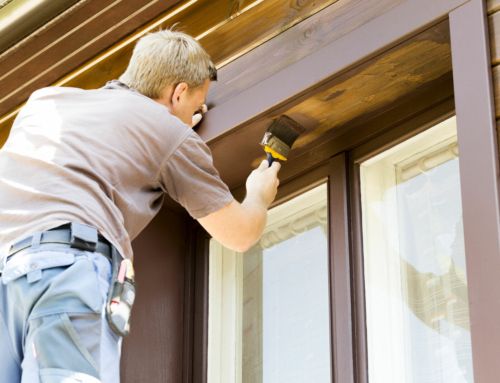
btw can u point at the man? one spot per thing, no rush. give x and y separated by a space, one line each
100 161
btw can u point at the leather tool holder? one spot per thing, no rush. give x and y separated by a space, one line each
83 237
123 294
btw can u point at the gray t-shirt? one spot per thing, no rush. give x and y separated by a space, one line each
104 158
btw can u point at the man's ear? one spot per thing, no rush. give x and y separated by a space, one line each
179 91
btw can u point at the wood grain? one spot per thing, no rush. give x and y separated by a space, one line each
395 74
197 19
493 6
364 90
361 130
494 31
326 26
228 30
266 20
496 89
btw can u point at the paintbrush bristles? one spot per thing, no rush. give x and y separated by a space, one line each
286 129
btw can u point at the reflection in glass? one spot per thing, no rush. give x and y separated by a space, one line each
415 274
268 307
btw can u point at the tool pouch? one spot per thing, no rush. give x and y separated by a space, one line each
121 298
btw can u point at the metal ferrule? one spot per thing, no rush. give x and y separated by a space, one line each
276 144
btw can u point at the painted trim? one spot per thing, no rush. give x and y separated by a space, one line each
341 318
330 61
479 171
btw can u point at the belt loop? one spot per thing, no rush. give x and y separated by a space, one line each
36 239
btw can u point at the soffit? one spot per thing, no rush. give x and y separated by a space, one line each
398 83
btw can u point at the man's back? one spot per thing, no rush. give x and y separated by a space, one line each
87 156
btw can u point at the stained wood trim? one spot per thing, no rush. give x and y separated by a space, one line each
358 287
341 319
189 301
200 333
294 44
305 75
355 133
477 141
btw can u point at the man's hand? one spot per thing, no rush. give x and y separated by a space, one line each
262 184
198 115
238 226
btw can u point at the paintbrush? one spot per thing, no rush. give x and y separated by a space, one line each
280 137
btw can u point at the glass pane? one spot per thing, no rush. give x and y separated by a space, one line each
415 275
268 307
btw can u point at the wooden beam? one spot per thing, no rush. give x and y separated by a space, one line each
201 19
324 27
266 20
304 76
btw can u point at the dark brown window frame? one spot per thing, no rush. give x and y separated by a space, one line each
478 163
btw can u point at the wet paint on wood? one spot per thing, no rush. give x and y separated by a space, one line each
439 92
330 112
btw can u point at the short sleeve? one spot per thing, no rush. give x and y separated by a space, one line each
190 178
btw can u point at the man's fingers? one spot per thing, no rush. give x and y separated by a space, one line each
263 165
204 108
196 118
276 166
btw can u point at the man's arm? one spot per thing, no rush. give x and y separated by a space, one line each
238 226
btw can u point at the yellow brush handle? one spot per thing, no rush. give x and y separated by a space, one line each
274 153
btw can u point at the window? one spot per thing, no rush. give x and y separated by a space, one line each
269 307
417 310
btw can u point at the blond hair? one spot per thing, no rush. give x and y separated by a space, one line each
167 58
